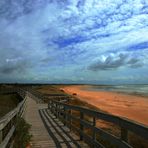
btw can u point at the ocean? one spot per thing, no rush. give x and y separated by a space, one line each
139 89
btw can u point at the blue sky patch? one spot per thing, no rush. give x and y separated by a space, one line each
92 41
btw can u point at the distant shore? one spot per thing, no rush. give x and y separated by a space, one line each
133 107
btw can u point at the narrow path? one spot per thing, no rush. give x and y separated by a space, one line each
41 138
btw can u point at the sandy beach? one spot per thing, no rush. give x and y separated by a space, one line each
129 106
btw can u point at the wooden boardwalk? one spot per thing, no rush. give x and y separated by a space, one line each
50 125
46 131
41 138
62 135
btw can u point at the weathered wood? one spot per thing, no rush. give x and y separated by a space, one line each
1 136
38 130
94 121
8 121
61 134
125 124
106 136
9 116
124 134
7 138
81 125
64 112
69 119
61 110
137 128
94 131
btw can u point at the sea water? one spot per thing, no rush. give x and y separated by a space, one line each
133 89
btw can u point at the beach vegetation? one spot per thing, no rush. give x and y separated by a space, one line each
22 135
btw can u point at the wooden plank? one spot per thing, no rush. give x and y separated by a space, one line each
62 133
57 108
105 135
124 134
38 131
137 128
8 119
7 138
9 116
1 136
81 125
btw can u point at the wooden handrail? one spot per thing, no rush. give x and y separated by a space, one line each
125 124
6 122
64 112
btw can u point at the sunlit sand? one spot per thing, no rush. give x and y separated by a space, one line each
129 106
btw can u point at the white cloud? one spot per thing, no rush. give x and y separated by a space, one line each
70 33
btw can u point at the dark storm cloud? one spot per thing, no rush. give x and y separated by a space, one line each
133 61
14 68
115 62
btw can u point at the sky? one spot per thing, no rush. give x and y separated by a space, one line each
74 41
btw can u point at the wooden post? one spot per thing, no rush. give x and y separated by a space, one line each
56 110
49 105
81 125
94 121
64 115
124 134
70 119
53 108
93 132
60 110
1 136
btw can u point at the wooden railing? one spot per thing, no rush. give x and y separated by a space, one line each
8 122
34 95
65 113
40 98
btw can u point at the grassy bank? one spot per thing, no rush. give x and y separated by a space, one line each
8 102
22 136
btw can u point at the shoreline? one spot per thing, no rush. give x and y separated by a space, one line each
133 107
114 91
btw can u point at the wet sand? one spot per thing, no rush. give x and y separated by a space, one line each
129 106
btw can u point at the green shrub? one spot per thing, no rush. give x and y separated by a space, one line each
22 136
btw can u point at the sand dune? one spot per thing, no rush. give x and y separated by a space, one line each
129 106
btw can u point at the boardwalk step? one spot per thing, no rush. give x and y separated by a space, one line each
61 134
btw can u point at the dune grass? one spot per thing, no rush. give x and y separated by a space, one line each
8 102
22 135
